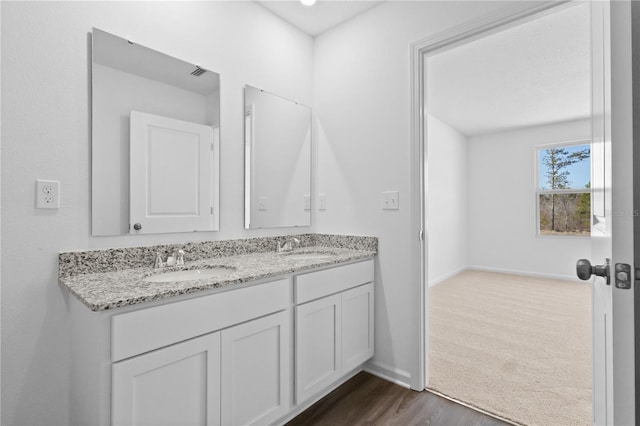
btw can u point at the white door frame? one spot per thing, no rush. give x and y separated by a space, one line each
618 50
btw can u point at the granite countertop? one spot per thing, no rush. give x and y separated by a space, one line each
105 290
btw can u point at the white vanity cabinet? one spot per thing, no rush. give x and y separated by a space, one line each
255 371
334 325
223 358
176 385
237 376
357 326
318 339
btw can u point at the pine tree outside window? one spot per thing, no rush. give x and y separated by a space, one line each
564 189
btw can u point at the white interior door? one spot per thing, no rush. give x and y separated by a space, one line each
602 217
612 233
172 175
601 241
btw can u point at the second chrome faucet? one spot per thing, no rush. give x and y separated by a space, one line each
287 245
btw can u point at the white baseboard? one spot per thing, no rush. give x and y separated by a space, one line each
389 373
445 277
525 273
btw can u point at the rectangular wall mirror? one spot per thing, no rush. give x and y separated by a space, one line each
155 141
277 161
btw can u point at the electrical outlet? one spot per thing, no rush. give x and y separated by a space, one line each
47 194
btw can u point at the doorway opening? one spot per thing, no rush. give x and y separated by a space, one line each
510 327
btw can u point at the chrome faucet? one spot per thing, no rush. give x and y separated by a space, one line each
158 262
176 259
287 245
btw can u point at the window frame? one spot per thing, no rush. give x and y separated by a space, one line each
538 192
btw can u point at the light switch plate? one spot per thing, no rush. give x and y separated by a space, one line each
262 204
390 200
322 198
307 202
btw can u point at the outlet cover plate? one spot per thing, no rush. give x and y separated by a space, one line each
47 194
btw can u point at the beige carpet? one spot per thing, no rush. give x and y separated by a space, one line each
515 346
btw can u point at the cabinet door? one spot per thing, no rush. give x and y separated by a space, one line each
357 326
177 385
255 371
318 340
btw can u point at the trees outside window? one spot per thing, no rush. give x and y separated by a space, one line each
564 189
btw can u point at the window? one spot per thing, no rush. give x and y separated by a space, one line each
564 189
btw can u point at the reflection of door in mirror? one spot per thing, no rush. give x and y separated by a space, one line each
171 179
277 161
129 77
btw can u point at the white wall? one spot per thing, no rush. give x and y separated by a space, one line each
502 204
212 107
363 147
46 134
481 210
447 200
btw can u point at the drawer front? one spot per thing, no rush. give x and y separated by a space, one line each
314 285
141 331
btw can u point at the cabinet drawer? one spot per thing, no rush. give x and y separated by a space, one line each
141 331
329 281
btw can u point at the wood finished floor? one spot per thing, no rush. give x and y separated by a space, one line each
368 400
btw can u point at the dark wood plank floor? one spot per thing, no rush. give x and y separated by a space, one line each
368 400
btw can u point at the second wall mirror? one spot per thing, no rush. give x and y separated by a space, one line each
277 161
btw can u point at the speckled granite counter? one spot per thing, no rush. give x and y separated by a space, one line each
108 279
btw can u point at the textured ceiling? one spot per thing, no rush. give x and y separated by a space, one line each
532 74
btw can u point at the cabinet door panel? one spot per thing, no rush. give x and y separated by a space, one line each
255 371
357 326
318 340
179 384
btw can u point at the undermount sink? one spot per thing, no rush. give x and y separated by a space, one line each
190 274
309 254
